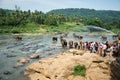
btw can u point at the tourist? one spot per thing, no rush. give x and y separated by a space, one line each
111 50
93 47
100 47
96 47
104 50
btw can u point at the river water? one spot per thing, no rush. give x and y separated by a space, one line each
43 44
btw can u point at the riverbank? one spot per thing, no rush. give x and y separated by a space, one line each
60 67
34 28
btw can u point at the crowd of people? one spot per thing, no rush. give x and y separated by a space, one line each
111 48
103 49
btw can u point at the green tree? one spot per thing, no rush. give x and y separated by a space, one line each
95 22
51 19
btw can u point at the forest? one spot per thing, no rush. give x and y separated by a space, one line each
18 21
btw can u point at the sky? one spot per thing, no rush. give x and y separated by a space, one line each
47 5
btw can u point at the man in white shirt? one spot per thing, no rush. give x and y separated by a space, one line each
104 50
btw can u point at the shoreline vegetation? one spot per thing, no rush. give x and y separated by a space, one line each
34 28
37 29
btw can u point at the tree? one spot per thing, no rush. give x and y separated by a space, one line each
51 19
95 22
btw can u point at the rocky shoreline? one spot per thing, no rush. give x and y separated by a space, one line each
60 67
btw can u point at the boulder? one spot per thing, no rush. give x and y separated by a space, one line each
1 78
35 56
7 73
61 67
115 69
11 55
103 66
18 65
23 60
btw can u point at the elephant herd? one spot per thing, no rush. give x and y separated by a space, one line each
70 44
115 37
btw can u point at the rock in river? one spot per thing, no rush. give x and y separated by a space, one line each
7 73
35 56
21 62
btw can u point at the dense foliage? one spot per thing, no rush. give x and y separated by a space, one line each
79 70
88 13
19 19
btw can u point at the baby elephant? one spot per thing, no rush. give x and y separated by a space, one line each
54 38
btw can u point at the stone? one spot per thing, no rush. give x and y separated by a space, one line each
35 56
18 65
10 55
103 66
115 69
1 78
7 73
23 60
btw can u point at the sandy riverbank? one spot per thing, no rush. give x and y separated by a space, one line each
60 67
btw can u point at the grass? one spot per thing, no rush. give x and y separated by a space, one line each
65 27
37 28
28 28
116 30
79 70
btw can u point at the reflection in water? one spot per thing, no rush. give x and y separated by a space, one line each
41 44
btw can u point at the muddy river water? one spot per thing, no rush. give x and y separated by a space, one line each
12 50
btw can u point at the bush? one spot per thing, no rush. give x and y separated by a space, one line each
79 70
15 31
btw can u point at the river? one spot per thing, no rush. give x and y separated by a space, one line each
43 44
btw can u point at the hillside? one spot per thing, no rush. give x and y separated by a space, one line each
87 13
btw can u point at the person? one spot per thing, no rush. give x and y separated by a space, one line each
111 50
100 49
93 47
104 50
96 47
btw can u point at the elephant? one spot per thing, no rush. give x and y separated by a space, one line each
70 44
117 37
18 38
64 43
104 38
76 44
54 38
80 37
65 34
114 36
77 36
